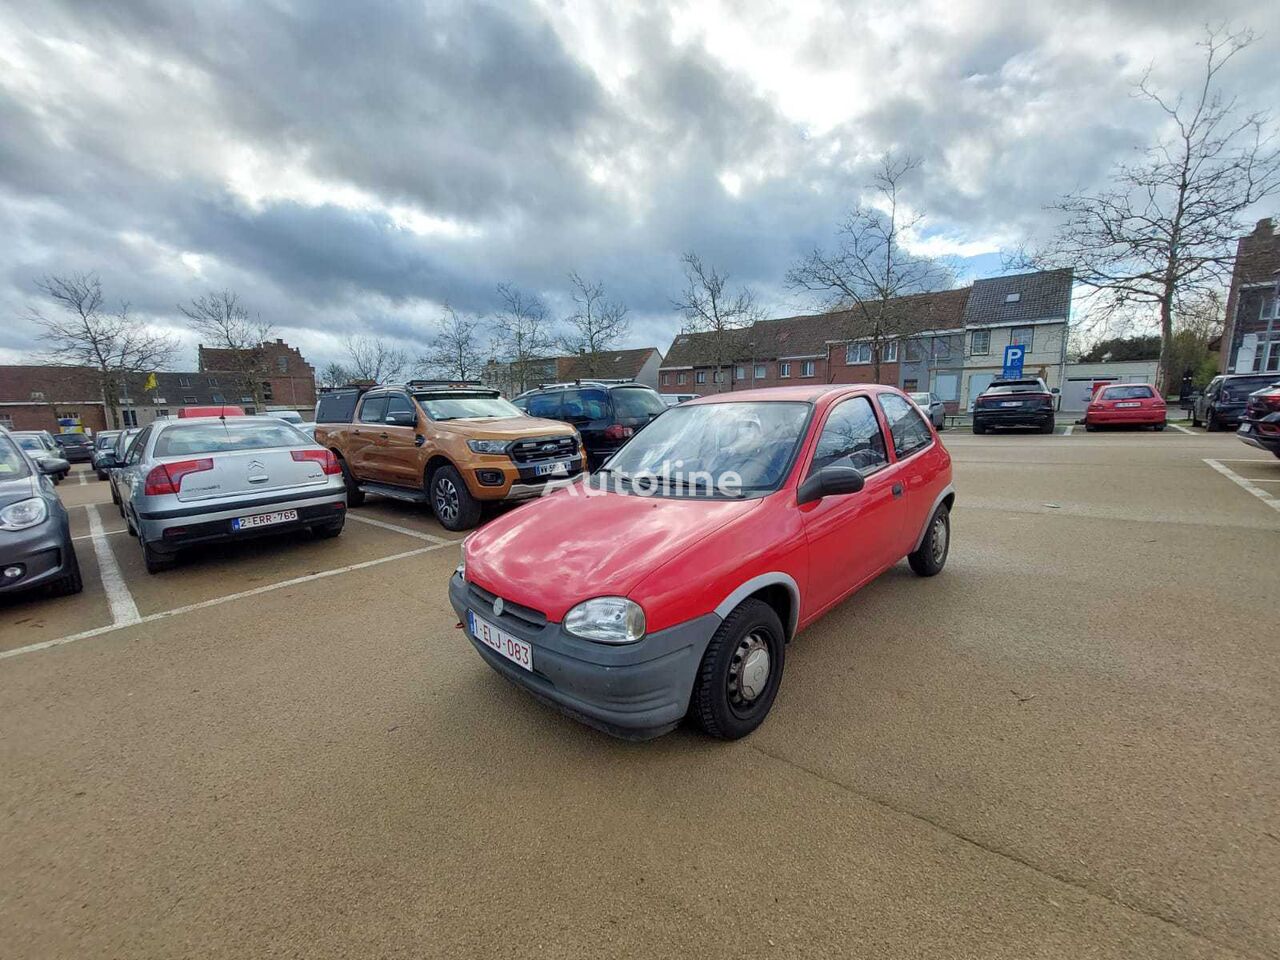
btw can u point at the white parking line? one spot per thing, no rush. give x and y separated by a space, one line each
81 478
123 609
398 529
105 533
1174 426
1258 492
1067 432
164 614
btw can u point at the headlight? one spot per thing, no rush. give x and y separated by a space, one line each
606 620
487 446
23 514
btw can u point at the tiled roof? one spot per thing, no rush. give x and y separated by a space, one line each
19 382
609 365
1024 296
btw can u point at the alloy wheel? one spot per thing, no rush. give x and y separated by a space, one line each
446 500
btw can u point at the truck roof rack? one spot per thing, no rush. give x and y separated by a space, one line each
589 381
444 384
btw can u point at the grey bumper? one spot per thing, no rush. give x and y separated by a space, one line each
637 691
43 552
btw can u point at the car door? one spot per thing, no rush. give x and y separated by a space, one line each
909 438
362 454
853 537
397 443
133 475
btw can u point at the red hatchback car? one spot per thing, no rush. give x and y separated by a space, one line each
669 582
1126 404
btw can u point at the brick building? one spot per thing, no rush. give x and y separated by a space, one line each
37 397
1251 340
274 372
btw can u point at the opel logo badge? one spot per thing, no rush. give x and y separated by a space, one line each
498 606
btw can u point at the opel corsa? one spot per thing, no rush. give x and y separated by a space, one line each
670 582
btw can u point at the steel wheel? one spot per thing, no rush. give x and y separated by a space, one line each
749 671
941 531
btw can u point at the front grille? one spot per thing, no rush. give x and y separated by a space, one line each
482 600
540 449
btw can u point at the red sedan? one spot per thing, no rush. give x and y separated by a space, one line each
1126 404
670 582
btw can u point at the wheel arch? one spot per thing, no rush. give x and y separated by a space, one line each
434 463
947 497
779 590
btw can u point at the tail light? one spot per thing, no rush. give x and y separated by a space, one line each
328 462
616 431
167 478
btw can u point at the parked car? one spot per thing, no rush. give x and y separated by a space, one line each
198 480
76 447
933 408
288 416
1221 405
670 582
45 451
308 428
103 444
671 399
115 462
604 414
216 410
1261 424
1024 402
36 549
1126 404
452 445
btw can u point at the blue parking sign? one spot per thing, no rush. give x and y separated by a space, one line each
1013 355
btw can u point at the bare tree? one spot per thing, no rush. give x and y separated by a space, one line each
595 327
720 315
522 335
868 271
84 333
372 358
226 324
1164 228
455 352
334 375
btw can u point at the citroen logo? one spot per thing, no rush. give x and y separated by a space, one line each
498 606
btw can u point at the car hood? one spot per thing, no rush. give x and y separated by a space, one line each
557 551
19 488
505 428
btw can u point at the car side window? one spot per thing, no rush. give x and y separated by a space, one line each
398 403
373 410
906 426
584 404
139 444
851 437
545 405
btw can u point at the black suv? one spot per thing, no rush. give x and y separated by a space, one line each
1025 402
606 415
1222 404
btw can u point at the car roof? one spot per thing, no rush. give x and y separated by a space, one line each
806 392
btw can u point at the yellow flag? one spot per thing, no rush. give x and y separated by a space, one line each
151 383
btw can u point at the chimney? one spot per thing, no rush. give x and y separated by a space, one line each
1264 228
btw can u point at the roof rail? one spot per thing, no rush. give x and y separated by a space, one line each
429 384
590 381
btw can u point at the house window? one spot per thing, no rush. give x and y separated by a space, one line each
666 379
1270 308
6 421
162 414
37 395
980 342
184 381
857 353
761 373
219 398
188 399
251 411
784 369
159 400
682 377
1013 298
807 368
719 376
266 390
282 364
1023 336
68 415
128 418
213 381
740 373
700 376
889 351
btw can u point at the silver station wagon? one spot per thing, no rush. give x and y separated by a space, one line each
199 480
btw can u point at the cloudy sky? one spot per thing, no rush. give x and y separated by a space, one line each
350 166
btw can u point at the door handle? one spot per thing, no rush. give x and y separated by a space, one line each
383 435
897 489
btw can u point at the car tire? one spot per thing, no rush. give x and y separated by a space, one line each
1159 427
721 702
355 496
930 557
978 428
1195 421
454 506
154 560
101 475
328 531
1211 424
71 582
115 497
1047 426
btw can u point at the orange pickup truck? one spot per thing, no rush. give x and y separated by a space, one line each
452 445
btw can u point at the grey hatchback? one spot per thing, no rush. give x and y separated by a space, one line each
202 479
35 535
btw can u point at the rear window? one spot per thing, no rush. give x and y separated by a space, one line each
336 406
1127 393
12 463
1240 389
224 436
1022 386
31 443
584 404
636 402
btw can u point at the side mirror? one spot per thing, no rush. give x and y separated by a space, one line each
1055 391
108 461
401 418
830 482
51 465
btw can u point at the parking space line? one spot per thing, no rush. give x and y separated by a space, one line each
1246 484
398 529
266 588
119 599
105 533
1174 426
1067 431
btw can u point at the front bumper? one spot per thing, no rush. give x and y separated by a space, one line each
1012 417
1252 433
520 481
636 691
43 552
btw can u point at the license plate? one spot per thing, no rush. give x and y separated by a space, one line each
1011 403
558 469
264 519
1128 405
518 651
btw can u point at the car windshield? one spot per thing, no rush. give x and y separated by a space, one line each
440 406
729 449
920 398
636 402
219 436
1022 386
12 463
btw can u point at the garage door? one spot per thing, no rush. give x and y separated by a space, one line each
977 383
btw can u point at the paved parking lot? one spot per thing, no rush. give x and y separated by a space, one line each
1065 745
